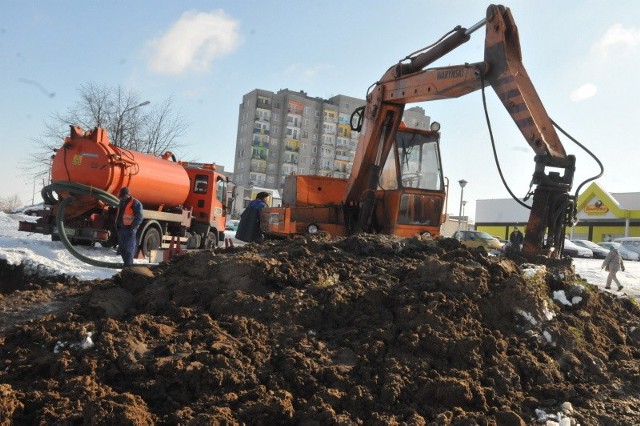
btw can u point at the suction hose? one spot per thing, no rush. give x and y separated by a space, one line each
78 188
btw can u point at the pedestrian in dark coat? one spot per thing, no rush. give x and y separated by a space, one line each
516 239
128 219
249 226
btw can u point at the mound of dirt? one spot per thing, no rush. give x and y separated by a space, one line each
361 330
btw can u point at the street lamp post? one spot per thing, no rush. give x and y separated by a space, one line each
446 198
119 126
462 183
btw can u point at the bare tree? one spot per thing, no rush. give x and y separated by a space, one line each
9 203
162 128
129 123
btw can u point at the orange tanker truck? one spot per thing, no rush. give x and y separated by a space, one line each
182 201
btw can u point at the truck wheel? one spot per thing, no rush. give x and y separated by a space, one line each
211 241
193 242
150 241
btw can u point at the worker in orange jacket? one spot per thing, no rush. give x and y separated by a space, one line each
128 219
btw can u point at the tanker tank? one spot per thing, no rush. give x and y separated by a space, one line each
87 157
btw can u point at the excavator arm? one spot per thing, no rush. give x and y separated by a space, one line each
502 69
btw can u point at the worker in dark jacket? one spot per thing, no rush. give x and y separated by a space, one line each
128 219
516 239
249 226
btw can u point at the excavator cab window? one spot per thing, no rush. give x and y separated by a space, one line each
418 162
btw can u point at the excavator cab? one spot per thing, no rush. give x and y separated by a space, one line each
410 192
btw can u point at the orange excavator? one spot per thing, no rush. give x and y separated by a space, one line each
397 185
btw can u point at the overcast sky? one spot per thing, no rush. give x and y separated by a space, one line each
581 56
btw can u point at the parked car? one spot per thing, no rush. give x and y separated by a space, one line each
574 250
630 243
502 240
477 239
599 252
626 253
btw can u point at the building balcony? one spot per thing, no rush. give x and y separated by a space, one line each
260 144
260 131
258 168
290 160
261 156
291 147
343 158
263 105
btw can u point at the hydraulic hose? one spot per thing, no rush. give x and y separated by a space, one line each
76 189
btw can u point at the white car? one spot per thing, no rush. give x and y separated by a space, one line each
626 253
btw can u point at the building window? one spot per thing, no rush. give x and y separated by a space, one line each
270 179
314 149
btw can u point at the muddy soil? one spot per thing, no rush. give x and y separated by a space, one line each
364 330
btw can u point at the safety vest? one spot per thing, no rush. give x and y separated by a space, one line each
127 215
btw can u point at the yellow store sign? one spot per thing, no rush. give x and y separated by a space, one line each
596 208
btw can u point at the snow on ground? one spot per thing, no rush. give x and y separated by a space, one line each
39 253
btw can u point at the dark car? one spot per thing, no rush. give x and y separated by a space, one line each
599 252
574 250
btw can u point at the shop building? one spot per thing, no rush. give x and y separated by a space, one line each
602 216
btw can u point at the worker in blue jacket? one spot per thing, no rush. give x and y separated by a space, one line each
128 219
249 226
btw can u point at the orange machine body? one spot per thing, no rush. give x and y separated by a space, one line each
90 159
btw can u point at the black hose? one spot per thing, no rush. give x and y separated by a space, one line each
78 188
